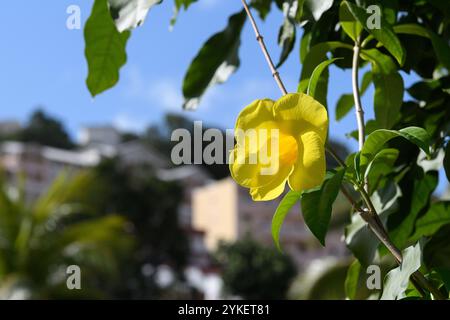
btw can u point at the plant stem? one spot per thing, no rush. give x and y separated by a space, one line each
355 84
377 227
369 215
260 40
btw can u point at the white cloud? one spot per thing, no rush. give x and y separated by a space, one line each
208 4
164 93
128 123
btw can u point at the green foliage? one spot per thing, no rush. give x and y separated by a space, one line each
317 205
253 271
129 14
289 200
40 239
385 35
105 49
216 61
43 129
396 281
436 217
352 279
315 77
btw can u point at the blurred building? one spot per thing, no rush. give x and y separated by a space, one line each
226 212
40 165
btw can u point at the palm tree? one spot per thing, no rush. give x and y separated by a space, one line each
39 240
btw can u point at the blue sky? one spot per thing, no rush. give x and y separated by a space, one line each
43 64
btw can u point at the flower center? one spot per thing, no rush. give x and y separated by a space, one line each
288 149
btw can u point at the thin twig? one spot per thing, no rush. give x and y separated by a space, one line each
260 40
356 95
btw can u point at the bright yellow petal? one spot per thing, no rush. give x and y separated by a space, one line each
267 193
256 113
309 170
263 168
255 160
300 113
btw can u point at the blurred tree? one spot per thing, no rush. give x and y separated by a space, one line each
45 130
38 241
159 136
152 207
253 271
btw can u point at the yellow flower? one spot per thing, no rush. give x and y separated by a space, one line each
278 142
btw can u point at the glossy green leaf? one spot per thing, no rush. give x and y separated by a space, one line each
216 61
420 197
389 88
351 26
289 200
315 77
316 55
396 281
105 49
441 48
352 280
347 101
388 98
381 165
317 205
437 216
384 35
129 14
376 140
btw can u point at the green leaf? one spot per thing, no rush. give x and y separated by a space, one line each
352 280
436 253
315 77
178 5
385 34
105 49
348 22
347 101
187 3
389 88
286 39
396 281
359 239
376 140
317 8
441 48
420 197
381 165
292 11
262 6
216 61
289 200
304 46
437 216
388 98
315 56
447 161
317 205
129 14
